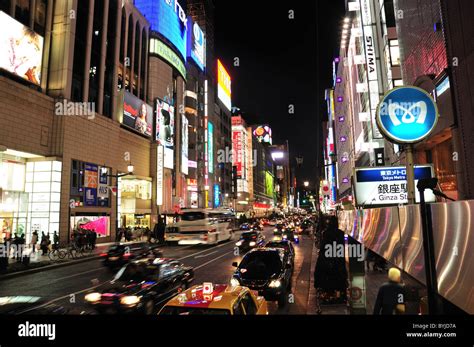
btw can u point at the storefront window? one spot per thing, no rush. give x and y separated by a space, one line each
99 224
29 196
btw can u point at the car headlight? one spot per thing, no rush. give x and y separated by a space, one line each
238 244
252 243
275 230
234 282
275 284
285 237
93 297
130 300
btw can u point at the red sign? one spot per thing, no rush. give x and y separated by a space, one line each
237 151
260 205
207 288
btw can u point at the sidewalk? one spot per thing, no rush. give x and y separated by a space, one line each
313 303
40 262
373 280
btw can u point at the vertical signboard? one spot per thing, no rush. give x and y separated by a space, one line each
159 175
184 144
164 133
369 32
210 146
217 193
224 86
196 44
90 184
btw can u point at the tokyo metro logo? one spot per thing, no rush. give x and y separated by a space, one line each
409 112
406 115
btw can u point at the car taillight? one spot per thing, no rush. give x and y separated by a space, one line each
127 255
103 255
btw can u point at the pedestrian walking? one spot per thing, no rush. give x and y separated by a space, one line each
44 244
34 241
161 230
391 295
55 240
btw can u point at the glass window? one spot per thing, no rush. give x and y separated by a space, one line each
110 59
40 16
238 308
22 12
249 305
5 6
95 64
82 17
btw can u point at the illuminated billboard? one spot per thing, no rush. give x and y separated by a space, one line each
210 146
263 133
224 86
22 49
196 44
237 147
184 144
137 114
164 133
168 18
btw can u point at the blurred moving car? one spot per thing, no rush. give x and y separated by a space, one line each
249 240
142 285
245 226
32 305
266 270
122 253
208 299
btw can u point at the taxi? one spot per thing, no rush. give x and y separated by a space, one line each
216 299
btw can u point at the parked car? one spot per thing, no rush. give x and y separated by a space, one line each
266 270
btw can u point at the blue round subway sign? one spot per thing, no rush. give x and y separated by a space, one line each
406 115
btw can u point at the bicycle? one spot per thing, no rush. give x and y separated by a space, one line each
56 254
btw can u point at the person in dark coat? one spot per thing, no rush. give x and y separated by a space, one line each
44 244
93 239
391 296
55 240
161 230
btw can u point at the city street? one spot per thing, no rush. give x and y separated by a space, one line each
66 286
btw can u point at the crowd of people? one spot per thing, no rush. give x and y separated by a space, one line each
82 238
156 235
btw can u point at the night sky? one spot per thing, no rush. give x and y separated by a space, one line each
281 63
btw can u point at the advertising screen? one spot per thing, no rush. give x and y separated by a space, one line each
210 146
217 193
224 86
168 18
388 185
137 114
184 145
164 133
263 133
22 49
196 44
91 183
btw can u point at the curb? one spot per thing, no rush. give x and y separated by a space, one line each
48 267
311 305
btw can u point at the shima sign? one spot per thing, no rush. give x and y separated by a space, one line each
388 185
406 115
